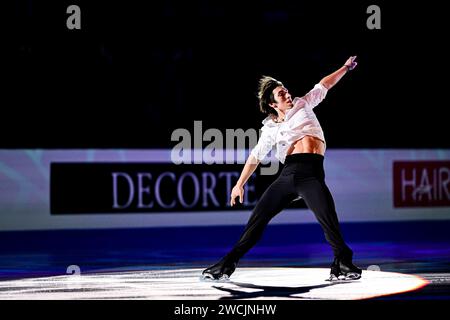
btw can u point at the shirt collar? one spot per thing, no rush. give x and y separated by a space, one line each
268 121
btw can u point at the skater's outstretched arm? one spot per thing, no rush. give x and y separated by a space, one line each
330 80
238 190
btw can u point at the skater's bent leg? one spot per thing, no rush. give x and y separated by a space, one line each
319 199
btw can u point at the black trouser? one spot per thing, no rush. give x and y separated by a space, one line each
302 176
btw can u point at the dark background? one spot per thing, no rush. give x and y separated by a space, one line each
137 70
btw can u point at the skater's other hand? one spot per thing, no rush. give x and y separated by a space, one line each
237 191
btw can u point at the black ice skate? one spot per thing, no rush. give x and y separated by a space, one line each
220 271
344 270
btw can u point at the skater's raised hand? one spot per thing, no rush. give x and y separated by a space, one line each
351 63
237 191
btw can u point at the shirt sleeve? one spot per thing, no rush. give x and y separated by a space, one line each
264 145
316 95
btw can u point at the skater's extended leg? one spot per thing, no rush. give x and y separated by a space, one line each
275 198
273 201
318 198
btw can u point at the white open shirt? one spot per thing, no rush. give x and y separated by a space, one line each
299 121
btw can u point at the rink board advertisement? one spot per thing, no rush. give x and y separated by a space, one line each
150 187
89 189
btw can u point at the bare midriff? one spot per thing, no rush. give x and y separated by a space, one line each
307 144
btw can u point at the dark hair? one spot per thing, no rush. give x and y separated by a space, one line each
265 94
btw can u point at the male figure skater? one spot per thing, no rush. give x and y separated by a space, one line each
293 128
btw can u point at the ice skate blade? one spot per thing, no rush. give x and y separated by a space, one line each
210 278
353 276
343 278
